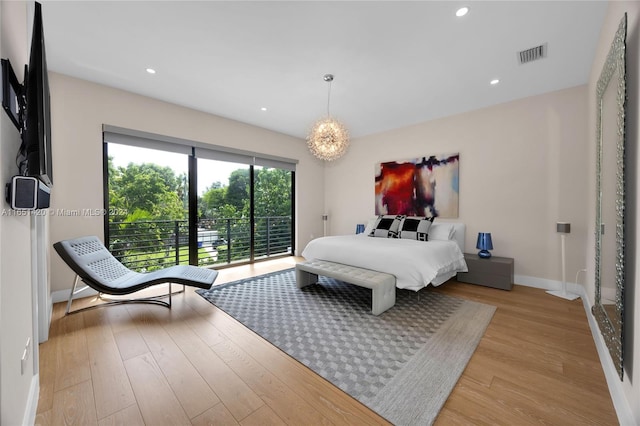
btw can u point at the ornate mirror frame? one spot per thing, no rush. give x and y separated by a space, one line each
609 310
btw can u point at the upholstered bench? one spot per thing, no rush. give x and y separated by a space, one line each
383 286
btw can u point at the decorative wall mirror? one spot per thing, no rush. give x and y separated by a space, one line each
611 95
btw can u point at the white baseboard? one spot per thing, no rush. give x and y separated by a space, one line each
31 408
546 284
43 329
63 295
620 403
59 296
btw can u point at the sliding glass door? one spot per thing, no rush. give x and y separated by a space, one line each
223 210
273 203
244 212
146 225
168 207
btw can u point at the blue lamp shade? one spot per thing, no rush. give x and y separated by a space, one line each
484 244
359 228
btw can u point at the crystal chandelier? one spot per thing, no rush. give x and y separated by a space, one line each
328 139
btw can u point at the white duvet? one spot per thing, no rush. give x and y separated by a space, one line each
415 264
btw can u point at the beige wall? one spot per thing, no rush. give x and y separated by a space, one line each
631 382
16 324
522 169
80 108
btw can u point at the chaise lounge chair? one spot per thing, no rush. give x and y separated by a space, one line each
97 267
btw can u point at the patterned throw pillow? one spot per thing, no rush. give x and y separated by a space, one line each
416 228
387 226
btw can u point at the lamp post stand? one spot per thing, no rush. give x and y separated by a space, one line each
563 293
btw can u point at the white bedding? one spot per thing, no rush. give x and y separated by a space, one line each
415 264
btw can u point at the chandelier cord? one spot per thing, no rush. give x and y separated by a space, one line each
329 99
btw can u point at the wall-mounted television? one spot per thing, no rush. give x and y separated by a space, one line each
12 100
37 120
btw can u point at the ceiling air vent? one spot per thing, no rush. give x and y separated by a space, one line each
533 54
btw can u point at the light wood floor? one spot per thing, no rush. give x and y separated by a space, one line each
136 364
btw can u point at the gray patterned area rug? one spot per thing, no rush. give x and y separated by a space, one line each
402 364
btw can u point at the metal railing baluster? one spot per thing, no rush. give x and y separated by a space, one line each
147 244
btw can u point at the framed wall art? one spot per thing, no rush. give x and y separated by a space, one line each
423 186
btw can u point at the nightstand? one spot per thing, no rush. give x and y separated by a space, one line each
496 272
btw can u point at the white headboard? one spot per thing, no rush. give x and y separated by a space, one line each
461 229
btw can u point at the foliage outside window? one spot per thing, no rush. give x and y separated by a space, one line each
150 206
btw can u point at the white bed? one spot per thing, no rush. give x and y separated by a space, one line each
415 264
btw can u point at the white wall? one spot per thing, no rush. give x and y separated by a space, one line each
80 108
16 324
631 382
522 169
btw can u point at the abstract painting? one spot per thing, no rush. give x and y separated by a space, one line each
423 186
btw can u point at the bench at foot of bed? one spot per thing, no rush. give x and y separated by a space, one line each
383 286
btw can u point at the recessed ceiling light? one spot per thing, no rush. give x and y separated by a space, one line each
462 11
263 109
151 71
494 82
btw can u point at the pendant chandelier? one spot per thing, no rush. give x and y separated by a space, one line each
328 139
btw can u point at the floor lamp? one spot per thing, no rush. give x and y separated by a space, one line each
325 217
563 228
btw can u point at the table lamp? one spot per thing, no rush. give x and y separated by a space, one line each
484 244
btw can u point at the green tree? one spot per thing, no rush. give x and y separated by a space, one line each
272 209
148 188
212 200
238 190
272 192
227 211
116 201
144 196
148 194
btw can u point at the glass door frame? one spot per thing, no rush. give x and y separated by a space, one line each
193 209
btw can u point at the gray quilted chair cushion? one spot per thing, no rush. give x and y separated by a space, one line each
97 267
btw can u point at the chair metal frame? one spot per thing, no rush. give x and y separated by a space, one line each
152 300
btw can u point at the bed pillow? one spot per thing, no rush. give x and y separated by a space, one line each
387 226
370 225
416 228
441 231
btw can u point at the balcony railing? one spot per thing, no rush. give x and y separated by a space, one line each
150 245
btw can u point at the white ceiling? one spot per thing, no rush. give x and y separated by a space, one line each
395 63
